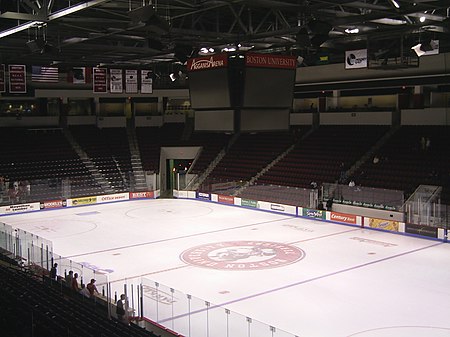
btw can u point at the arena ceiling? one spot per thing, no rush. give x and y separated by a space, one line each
138 33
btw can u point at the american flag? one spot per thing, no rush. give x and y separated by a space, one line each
44 74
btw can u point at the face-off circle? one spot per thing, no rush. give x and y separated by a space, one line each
242 255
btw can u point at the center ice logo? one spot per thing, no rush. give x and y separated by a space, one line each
242 255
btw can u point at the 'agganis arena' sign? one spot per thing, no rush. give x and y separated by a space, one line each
208 62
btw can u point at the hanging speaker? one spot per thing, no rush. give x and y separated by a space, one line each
36 46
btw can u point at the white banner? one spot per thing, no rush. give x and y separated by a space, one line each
131 81
279 208
112 197
21 208
115 81
146 82
356 59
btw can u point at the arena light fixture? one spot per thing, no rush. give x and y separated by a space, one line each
395 3
56 15
352 30
20 28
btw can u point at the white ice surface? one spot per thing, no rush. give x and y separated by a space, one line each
351 282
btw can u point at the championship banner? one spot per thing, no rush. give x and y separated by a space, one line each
131 81
100 83
208 62
270 61
115 81
17 79
78 75
356 59
146 82
2 78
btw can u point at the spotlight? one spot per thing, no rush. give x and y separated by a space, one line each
422 19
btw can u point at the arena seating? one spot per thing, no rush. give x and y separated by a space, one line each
250 154
323 156
109 150
404 162
212 144
150 140
35 308
44 159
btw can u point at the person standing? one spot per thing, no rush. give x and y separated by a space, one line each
69 278
120 309
75 282
54 271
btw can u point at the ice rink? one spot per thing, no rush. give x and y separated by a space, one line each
309 278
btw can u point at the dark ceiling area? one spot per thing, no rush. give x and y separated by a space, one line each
143 33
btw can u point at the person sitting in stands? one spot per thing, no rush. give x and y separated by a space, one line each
92 288
84 291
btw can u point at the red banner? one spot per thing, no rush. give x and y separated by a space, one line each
52 204
208 62
270 61
17 79
99 84
139 195
226 199
341 217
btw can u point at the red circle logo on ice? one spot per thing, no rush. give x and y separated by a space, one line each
242 255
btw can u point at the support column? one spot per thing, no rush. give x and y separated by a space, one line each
335 99
418 98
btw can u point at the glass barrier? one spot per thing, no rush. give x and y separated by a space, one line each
6 237
36 254
34 250
296 196
64 187
182 180
221 186
189 315
371 197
